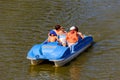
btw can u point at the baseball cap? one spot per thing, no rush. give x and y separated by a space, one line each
72 28
53 32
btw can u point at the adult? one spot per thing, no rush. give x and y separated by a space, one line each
57 29
62 36
73 36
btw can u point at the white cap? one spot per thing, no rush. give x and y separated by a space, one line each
72 28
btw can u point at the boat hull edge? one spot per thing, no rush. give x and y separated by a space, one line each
59 63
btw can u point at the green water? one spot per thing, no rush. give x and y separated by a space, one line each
24 23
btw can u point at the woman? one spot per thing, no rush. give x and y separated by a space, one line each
62 36
56 30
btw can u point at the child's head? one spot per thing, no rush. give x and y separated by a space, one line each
52 32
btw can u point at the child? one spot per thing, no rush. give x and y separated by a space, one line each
52 36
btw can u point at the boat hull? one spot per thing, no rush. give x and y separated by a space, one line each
59 63
56 53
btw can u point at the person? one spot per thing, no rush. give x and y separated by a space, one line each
62 36
57 29
52 36
73 36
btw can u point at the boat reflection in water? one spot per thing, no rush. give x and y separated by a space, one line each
46 72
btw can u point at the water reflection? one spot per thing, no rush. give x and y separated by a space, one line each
70 71
75 73
49 73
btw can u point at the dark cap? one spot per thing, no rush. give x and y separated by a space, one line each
53 32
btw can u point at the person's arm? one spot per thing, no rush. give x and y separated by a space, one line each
48 39
66 36
81 35
58 39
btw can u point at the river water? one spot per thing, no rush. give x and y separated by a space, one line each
24 23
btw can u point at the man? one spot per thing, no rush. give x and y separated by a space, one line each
73 36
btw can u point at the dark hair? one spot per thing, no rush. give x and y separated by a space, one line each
76 28
57 27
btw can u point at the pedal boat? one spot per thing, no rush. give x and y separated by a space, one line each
58 54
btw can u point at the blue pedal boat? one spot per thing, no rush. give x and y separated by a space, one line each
60 55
